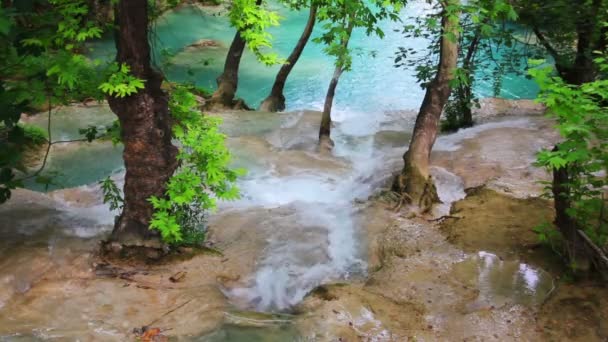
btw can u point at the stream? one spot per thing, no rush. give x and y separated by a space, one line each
299 222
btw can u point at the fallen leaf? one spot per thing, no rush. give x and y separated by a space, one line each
177 277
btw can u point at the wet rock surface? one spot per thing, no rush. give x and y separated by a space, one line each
497 107
389 276
499 155
505 225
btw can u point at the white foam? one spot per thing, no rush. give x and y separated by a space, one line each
452 142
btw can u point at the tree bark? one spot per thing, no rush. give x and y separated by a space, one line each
227 82
573 242
415 180
465 90
276 100
149 155
583 69
325 129
590 37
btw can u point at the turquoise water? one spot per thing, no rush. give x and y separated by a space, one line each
235 333
374 84
364 96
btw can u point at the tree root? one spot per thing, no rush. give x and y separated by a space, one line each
416 190
445 217
403 198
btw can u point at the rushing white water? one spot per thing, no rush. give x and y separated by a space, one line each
321 242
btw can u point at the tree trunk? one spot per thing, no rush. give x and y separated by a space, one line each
466 90
466 109
583 69
325 129
276 100
590 37
227 82
573 242
415 180
150 158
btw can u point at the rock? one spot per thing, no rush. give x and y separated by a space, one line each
347 312
114 248
204 43
493 107
153 253
391 139
300 131
495 222
488 154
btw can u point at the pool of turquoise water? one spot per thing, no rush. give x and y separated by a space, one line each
373 85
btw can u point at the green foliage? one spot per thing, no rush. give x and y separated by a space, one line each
34 135
111 194
253 20
203 175
41 46
460 102
549 236
340 17
582 121
121 83
561 21
484 35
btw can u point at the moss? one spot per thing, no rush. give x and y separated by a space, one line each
34 135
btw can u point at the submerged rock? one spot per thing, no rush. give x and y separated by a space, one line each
351 313
491 221
204 43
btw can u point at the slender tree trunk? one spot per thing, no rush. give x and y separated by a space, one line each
415 180
573 242
466 90
276 100
150 158
227 82
325 129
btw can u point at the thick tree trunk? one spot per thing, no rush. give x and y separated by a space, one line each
583 70
590 37
415 180
150 158
276 100
227 82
